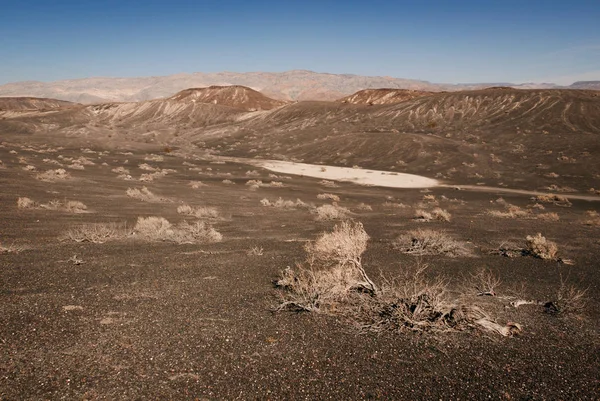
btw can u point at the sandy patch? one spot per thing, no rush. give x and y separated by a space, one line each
358 176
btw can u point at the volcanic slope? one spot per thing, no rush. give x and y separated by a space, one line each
158 120
383 96
31 103
500 137
236 96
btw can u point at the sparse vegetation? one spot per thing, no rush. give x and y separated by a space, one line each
96 233
53 175
26 203
332 197
160 229
430 242
144 194
331 212
435 214
557 200
199 212
332 280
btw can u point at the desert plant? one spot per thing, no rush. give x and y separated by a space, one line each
331 212
255 251
53 175
97 233
540 247
160 229
199 212
332 197
26 203
430 242
144 194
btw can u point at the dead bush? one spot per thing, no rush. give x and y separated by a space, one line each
199 212
53 175
430 242
284 203
557 200
511 212
333 281
540 247
160 229
144 194
332 197
331 212
97 233
593 218
26 203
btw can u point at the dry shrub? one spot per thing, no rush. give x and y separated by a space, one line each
144 194
29 168
435 214
593 218
510 212
569 298
67 206
549 216
332 197
154 158
160 229
199 212
364 207
54 175
252 173
327 183
331 212
147 167
540 247
483 282
12 248
149 177
97 233
196 184
284 203
430 242
557 200
120 170
333 270
333 281
228 182
125 177
254 184
255 251
26 203
395 205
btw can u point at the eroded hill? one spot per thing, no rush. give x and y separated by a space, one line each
383 96
530 139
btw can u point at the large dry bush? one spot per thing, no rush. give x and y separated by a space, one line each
511 212
97 233
332 280
558 200
436 214
430 242
333 269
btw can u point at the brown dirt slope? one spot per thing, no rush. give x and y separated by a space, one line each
383 96
31 103
236 96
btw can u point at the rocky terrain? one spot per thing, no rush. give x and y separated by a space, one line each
150 250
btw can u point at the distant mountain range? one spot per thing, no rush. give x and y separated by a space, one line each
289 85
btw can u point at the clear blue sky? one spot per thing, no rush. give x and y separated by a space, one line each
440 41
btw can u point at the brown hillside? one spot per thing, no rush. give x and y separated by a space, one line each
31 103
382 96
236 96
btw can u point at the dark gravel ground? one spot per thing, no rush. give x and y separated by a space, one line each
139 320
